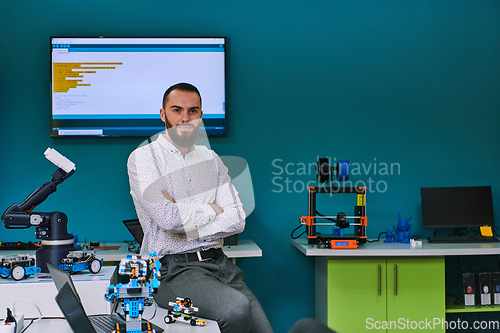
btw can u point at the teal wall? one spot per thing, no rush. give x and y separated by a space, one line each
415 84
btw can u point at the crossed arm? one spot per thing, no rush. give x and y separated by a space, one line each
205 221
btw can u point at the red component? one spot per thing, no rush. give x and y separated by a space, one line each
363 220
309 220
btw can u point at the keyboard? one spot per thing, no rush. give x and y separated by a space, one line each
463 239
107 323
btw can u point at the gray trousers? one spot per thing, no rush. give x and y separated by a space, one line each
309 325
216 287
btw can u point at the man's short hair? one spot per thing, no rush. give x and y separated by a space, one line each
182 87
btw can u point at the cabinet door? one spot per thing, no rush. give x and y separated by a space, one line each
356 293
415 294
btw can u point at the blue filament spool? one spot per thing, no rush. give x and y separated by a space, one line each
343 170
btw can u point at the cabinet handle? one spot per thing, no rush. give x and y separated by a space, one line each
379 280
395 279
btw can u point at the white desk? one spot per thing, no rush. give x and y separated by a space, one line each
61 326
393 280
40 289
245 248
381 249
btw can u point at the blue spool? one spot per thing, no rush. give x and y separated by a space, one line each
343 170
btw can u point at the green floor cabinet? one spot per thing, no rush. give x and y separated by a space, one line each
367 295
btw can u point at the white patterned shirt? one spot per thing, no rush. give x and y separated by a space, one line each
193 181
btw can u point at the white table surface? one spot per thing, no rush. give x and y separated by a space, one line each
381 249
245 248
61 326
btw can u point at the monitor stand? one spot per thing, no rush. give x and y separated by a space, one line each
458 231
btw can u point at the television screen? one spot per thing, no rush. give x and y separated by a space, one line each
115 86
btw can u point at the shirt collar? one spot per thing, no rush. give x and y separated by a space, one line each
169 146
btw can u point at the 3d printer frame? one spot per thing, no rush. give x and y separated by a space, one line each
359 220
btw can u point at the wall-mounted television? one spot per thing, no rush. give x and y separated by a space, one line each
114 86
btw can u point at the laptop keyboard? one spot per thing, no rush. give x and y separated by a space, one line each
106 322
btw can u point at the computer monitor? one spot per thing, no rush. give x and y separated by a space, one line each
114 86
457 207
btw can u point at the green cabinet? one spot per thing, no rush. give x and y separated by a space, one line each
381 294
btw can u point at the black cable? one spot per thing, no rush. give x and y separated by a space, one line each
121 316
33 320
378 239
327 218
25 328
296 230
133 246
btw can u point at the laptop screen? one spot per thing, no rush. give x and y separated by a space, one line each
61 278
73 311
134 226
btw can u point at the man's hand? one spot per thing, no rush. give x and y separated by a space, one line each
167 195
192 234
216 209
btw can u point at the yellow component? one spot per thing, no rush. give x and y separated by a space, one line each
486 231
361 199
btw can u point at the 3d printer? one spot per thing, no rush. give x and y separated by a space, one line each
325 174
51 227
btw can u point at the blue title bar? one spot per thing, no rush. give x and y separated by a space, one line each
140 47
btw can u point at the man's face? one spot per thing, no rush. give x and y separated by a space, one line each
182 116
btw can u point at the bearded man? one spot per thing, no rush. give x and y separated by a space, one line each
186 204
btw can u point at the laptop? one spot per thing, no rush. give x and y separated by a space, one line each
72 308
60 278
134 226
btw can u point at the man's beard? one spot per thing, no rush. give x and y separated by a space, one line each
185 139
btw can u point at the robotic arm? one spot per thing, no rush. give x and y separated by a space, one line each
20 216
51 228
